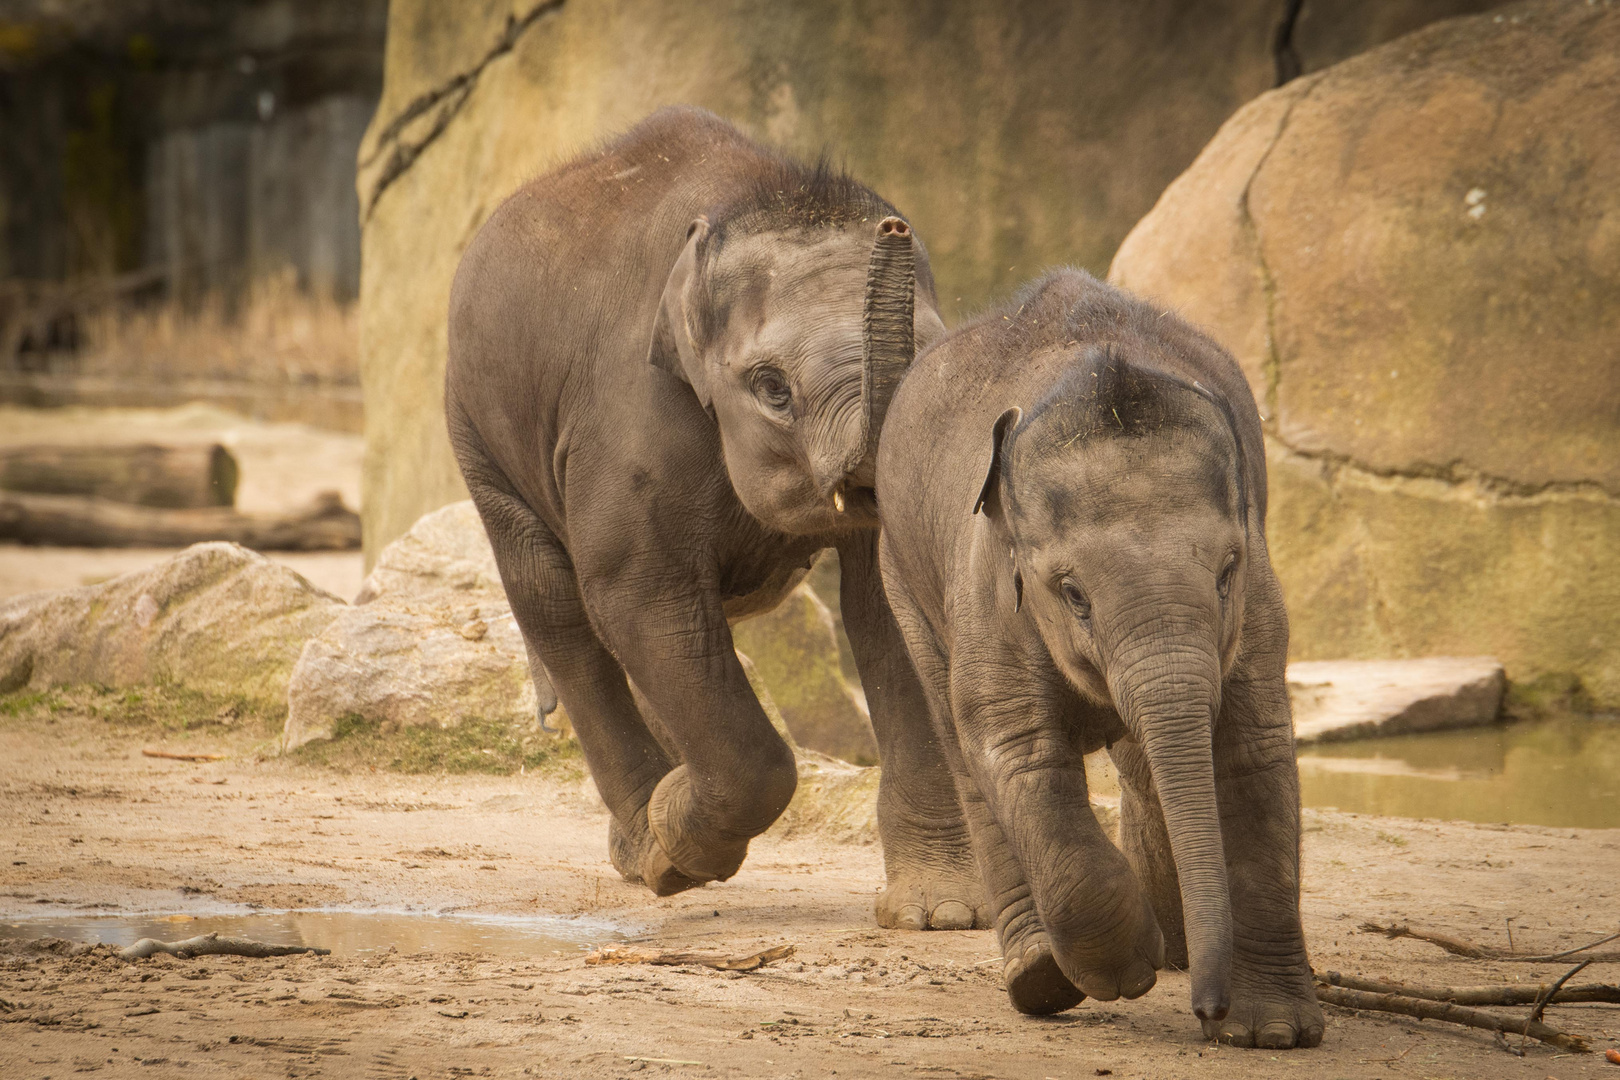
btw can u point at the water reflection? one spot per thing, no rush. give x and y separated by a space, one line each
345 932
1561 772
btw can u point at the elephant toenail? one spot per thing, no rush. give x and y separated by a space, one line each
1237 1035
1138 981
951 915
1102 991
911 917
1277 1035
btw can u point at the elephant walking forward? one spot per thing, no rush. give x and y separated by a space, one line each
669 363
1073 498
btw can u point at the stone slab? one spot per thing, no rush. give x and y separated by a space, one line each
1336 700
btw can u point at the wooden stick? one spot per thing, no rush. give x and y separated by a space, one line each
1454 1014
214 945
1502 994
629 954
174 756
1459 947
1545 999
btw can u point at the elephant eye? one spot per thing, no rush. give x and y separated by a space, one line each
1076 598
1223 584
771 387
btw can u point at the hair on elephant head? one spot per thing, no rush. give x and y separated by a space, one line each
1124 495
792 312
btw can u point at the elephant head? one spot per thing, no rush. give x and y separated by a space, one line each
793 331
1121 503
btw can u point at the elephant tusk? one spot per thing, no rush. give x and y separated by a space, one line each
838 501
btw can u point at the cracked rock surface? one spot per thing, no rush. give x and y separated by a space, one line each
1413 257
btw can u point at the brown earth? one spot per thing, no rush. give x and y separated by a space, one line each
90 822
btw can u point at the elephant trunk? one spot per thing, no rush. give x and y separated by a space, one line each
889 338
1168 693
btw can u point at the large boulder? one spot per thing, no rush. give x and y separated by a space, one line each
216 618
1415 256
1016 135
429 642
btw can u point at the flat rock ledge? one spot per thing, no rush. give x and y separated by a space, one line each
1336 700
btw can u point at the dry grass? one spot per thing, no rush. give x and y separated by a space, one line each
277 334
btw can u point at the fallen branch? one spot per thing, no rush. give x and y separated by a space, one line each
1459 947
1501 994
1546 999
171 477
86 521
214 945
175 756
1450 1013
629 954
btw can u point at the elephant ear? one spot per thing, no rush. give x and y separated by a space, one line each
672 348
998 436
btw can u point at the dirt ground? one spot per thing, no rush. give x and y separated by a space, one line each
91 823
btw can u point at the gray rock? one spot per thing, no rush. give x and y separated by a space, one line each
444 550
216 617
1352 699
430 641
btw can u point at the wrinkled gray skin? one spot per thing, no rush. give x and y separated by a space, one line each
1073 496
664 396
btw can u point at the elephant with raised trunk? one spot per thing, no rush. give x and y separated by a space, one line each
670 360
1073 495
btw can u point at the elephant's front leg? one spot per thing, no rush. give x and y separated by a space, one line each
1257 783
1075 906
932 877
736 774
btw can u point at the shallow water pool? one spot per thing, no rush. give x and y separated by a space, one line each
1561 772
345 932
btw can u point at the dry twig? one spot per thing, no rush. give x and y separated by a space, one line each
1500 994
629 954
1546 999
1459 947
214 945
173 755
1451 1013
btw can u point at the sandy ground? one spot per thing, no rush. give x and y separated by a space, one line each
283 468
87 822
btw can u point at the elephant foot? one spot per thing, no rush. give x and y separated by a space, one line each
923 900
1280 1014
1108 961
638 858
679 854
1035 983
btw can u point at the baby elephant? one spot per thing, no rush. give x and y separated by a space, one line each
1073 501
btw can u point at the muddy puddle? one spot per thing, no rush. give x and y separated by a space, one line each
346 933
1558 772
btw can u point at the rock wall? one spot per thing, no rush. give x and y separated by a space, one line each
1415 256
1015 135
210 142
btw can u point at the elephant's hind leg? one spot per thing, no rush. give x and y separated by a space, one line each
625 760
